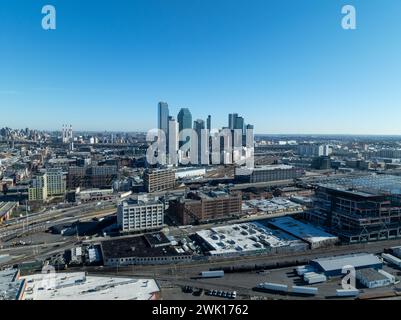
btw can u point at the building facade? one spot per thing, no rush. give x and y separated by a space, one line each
159 180
56 182
93 176
356 215
200 207
162 119
267 173
140 214
38 190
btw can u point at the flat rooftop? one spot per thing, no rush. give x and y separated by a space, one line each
244 237
134 247
301 230
371 274
10 286
273 204
356 260
78 286
273 167
367 185
141 201
157 239
244 170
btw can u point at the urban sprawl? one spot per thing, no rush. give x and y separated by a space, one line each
193 212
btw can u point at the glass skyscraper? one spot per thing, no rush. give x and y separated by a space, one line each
184 118
162 117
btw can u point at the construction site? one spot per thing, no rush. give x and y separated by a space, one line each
359 209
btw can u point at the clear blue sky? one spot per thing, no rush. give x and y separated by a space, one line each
287 66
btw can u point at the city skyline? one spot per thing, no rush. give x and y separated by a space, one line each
112 66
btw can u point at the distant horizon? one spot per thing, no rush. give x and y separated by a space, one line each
255 134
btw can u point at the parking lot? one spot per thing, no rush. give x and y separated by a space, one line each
244 283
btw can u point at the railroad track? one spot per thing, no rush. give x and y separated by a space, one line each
151 270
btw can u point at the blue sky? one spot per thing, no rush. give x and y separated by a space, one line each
287 66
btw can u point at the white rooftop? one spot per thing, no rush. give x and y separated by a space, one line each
301 230
356 260
274 204
78 286
242 237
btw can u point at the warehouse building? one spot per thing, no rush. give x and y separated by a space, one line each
151 249
316 238
246 238
82 196
189 172
396 251
267 173
79 286
11 286
372 278
333 266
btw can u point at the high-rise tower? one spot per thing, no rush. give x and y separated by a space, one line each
162 117
184 118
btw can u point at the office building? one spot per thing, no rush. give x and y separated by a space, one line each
209 123
159 180
239 123
184 119
231 120
200 207
321 163
92 176
202 142
173 142
140 214
163 115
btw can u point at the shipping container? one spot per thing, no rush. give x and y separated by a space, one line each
304 290
316 278
391 259
396 251
273 287
347 293
212 274
304 269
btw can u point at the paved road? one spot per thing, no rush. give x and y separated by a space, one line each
44 221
